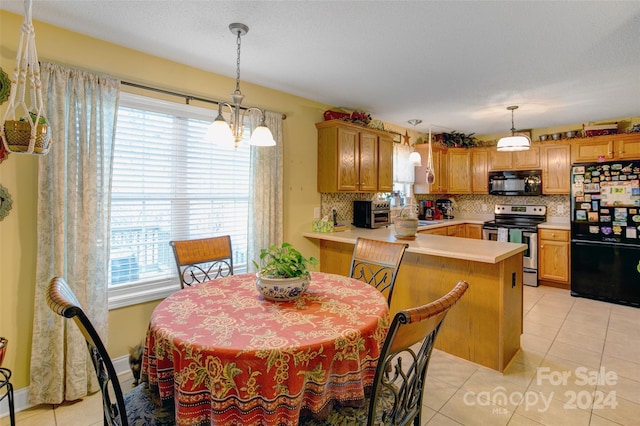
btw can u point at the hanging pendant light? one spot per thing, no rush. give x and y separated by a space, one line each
415 158
514 142
223 133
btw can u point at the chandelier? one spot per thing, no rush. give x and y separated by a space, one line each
514 142
231 134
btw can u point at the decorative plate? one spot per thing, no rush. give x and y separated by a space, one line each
5 86
5 202
3 151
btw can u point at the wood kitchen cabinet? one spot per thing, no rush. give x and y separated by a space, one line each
479 171
473 230
555 160
440 185
435 231
459 171
349 158
385 164
514 160
610 147
554 257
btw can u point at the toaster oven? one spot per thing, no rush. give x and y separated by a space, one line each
371 213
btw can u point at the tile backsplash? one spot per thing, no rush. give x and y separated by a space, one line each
557 205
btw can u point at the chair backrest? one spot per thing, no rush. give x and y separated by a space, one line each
63 302
203 259
377 263
402 367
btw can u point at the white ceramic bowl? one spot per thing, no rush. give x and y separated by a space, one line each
282 289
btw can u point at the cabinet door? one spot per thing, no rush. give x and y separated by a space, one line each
368 165
473 231
436 231
553 255
500 160
585 150
479 167
440 185
348 159
628 147
556 168
529 159
459 171
385 164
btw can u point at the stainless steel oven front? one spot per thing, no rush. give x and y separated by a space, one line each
530 255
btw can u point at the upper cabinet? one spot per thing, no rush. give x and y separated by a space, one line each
353 158
459 170
385 164
479 171
555 160
516 160
440 185
605 148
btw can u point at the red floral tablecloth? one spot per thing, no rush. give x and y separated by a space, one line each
228 356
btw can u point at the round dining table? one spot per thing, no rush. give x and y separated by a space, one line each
225 355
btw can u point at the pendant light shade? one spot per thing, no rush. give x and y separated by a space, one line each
514 142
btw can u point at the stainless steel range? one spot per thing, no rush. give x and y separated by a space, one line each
518 224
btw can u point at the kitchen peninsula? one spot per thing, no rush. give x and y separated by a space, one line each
486 324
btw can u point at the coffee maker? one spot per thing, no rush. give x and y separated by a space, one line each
426 210
445 207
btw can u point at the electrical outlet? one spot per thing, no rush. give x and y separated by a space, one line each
316 212
560 209
484 207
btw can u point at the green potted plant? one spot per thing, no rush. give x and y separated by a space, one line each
283 272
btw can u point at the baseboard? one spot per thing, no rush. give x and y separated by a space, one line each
21 396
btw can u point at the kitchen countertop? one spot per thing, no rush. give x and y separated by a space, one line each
435 245
556 223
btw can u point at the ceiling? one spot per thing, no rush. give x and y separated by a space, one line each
456 65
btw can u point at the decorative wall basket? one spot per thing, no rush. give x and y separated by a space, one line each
3 348
5 202
30 133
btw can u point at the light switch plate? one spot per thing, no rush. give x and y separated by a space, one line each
316 212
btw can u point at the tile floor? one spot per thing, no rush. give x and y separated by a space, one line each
580 365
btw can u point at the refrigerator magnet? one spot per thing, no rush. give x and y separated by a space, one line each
577 170
581 215
593 216
631 233
594 229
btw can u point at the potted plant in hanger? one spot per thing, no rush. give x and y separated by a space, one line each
283 272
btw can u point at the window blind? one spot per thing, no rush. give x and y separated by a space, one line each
169 183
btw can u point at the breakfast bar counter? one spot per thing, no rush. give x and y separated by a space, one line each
485 326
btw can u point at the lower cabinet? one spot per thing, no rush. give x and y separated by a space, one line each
468 230
554 257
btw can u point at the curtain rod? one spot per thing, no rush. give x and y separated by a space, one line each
187 98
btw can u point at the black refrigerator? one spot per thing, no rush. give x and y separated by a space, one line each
605 231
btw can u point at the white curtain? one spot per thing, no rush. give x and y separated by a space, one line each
266 196
73 227
402 167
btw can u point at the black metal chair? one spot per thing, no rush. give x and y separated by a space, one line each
5 376
203 259
138 407
377 263
396 397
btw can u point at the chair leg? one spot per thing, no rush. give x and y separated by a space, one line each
12 414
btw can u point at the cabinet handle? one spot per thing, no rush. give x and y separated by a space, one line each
541 246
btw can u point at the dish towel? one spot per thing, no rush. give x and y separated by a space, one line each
503 234
515 236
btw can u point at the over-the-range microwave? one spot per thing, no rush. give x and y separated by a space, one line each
511 182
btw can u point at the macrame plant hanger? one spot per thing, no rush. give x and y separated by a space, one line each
431 176
31 133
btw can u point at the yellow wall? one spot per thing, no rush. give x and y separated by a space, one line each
19 173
